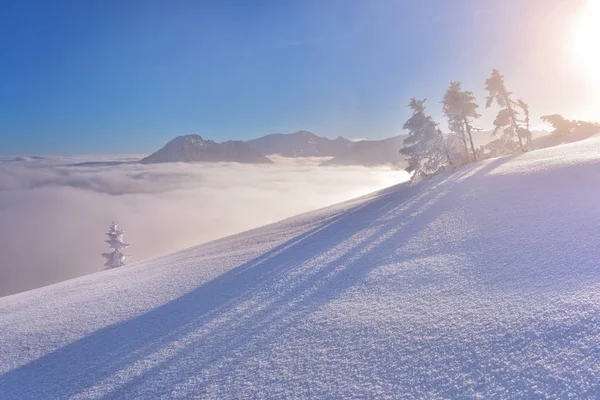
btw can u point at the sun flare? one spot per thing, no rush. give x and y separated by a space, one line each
585 42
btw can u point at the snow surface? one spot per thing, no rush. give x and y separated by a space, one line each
484 283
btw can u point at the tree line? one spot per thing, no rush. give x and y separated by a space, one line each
430 152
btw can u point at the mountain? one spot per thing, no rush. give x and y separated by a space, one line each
300 144
371 153
192 148
483 283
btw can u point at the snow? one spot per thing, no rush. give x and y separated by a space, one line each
483 283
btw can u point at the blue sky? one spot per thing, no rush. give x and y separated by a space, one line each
127 76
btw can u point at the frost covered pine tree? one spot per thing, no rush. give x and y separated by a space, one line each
460 109
116 258
424 147
506 120
561 125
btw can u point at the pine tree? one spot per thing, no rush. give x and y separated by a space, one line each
425 147
507 116
561 125
460 109
116 258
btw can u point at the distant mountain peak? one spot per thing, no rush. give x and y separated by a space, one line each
304 133
188 137
191 139
300 144
193 148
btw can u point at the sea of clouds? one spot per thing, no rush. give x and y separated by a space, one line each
54 211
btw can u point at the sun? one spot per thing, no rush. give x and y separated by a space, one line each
585 43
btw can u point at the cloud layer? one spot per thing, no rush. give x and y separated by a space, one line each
54 211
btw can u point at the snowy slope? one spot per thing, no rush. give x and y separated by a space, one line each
480 284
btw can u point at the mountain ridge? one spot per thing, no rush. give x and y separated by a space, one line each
193 148
343 152
371 153
300 144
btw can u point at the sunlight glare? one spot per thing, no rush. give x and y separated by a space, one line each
585 42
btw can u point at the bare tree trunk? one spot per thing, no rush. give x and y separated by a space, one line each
468 129
530 137
514 123
464 140
448 158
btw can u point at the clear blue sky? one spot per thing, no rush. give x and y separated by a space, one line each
126 76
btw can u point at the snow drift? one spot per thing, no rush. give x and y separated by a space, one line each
484 283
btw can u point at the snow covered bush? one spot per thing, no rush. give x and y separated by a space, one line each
456 150
116 258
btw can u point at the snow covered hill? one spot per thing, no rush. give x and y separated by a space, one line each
484 283
193 148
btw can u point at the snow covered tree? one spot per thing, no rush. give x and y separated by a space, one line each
591 128
424 147
506 120
116 258
456 148
460 109
561 125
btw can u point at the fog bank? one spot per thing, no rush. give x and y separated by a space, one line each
54 211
